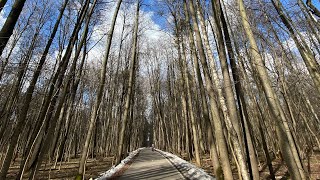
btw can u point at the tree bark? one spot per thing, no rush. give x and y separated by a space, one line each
306 53
273 102
130 85
99 94
7 29
27 101
216 121
189 102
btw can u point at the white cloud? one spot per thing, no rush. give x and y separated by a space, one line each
149 31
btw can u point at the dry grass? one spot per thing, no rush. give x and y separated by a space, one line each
94 167
280 168
66 170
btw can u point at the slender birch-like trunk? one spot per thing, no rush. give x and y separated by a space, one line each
283 133
99 94
306 53
132 73
27 101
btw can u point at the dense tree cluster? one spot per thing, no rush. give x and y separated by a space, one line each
239 80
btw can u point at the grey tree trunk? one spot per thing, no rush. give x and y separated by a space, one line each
190 106
132 73
99 94
283 133
306 53
27 101
216 120
244 117
42 151
7 29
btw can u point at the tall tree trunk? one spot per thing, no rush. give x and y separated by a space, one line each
184 73
205 108
306 53
73 92
6 112
99 94
288 149
51 99
230 101
49 132
16 38
190 107
215 120
22 118
132 74
7 29
240 90
244 118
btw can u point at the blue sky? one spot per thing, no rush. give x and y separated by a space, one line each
151 6
148 6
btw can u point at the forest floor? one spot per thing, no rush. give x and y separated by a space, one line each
281 171
94 167
66 170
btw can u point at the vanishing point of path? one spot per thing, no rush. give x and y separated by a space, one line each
151 165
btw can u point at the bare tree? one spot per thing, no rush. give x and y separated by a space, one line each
7 29
99 95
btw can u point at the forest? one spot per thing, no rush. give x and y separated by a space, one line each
232 86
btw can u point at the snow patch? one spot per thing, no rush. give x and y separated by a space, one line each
189 170
108 174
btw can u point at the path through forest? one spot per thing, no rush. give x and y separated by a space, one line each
233 87
151 165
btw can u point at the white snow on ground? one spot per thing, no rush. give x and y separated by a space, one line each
189 170
115 169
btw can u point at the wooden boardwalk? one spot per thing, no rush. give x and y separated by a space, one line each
151 165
